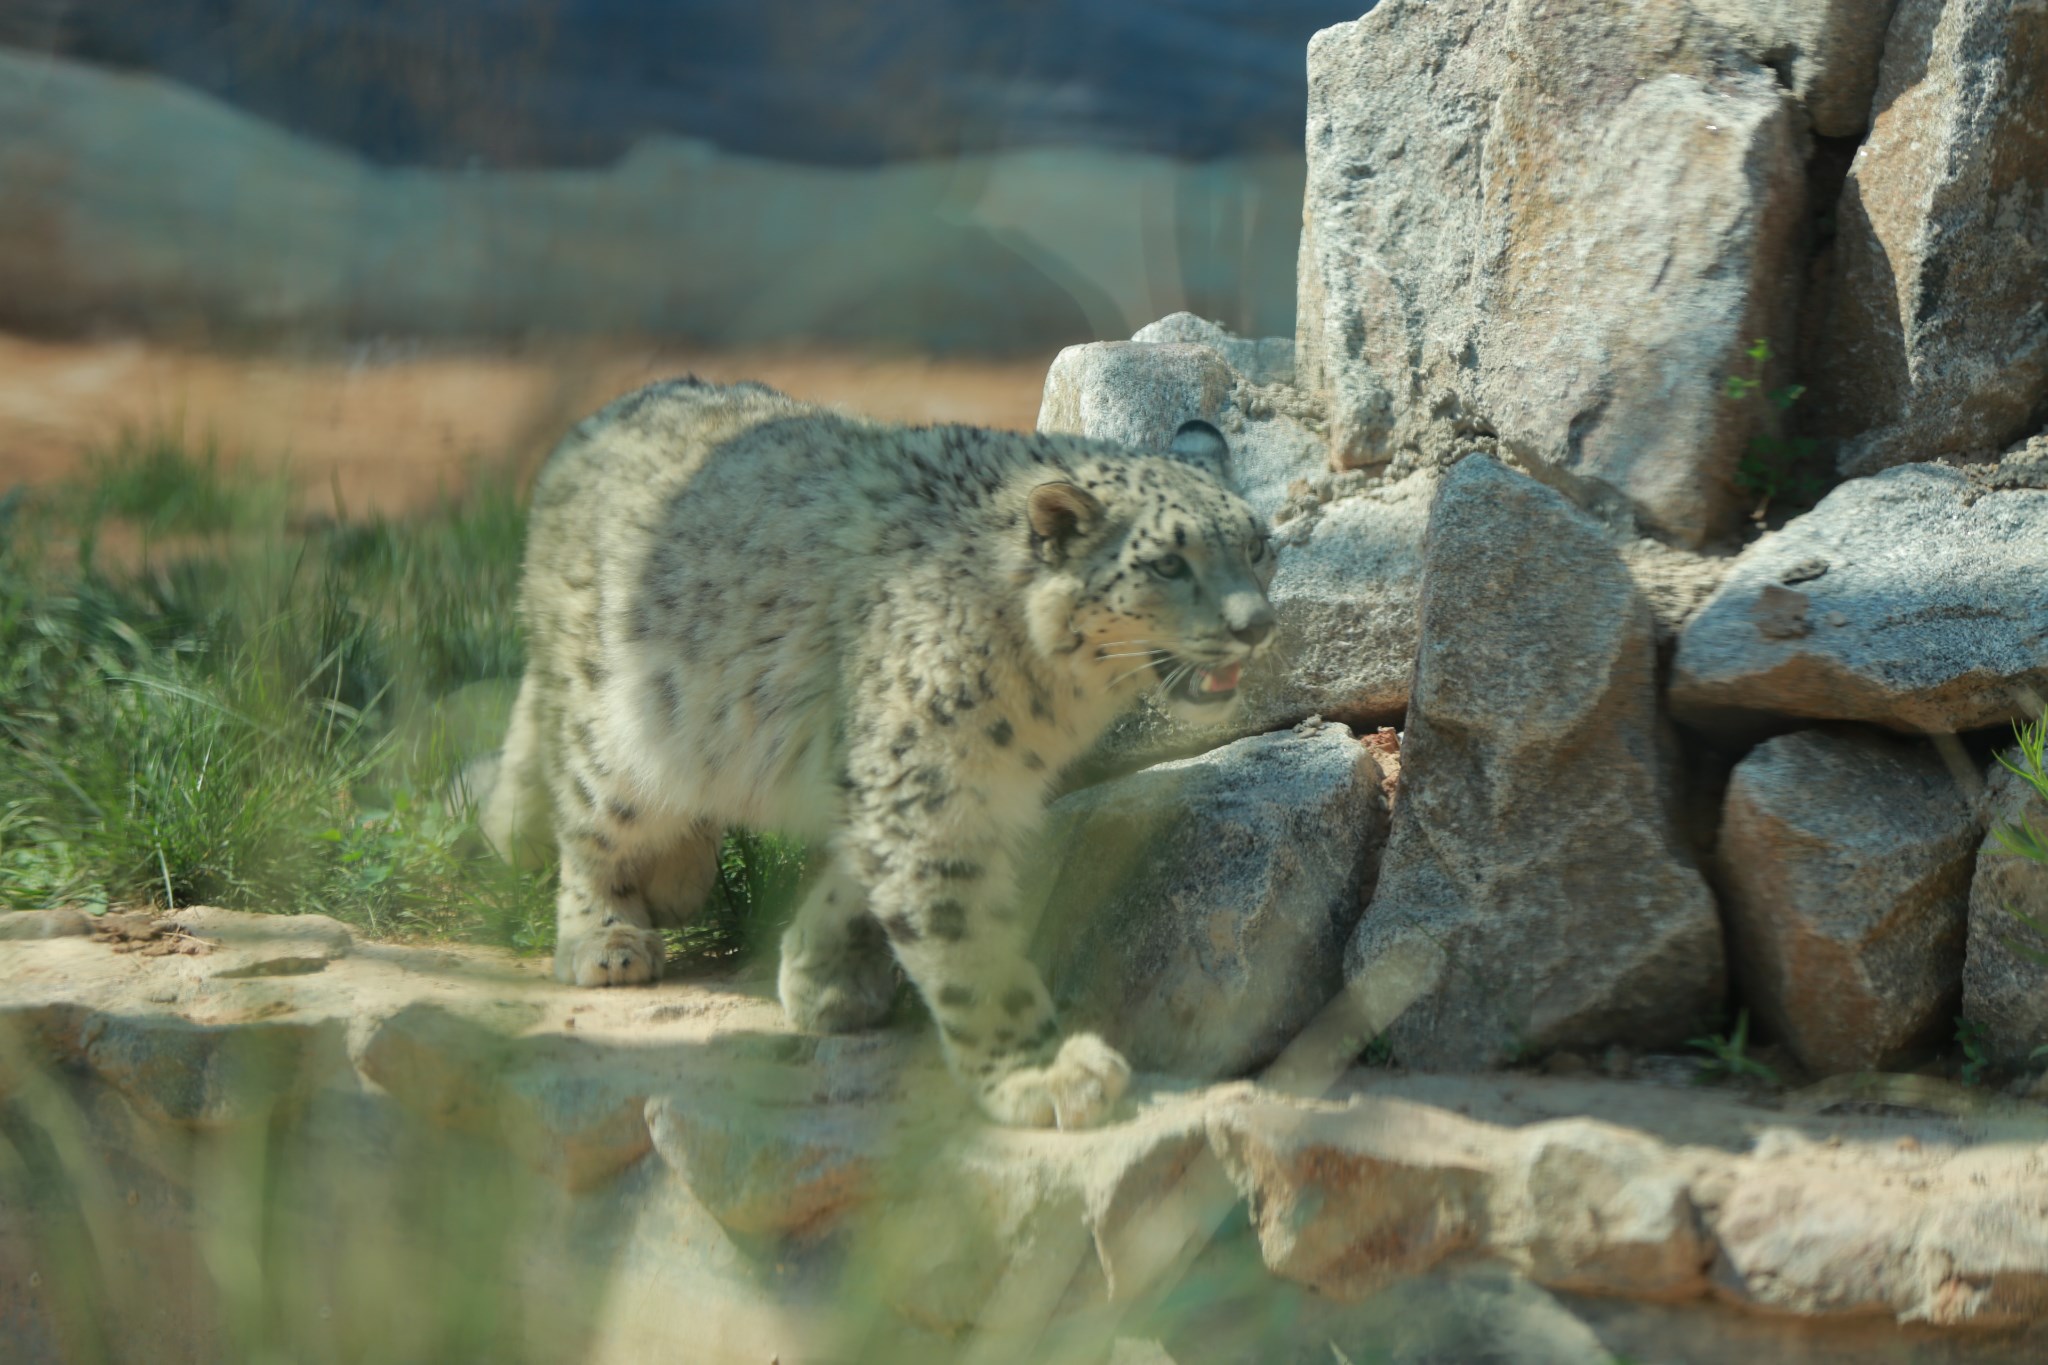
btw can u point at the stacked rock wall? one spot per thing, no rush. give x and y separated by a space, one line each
1553 234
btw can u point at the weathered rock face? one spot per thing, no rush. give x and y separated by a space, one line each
1557 228
1350 574
2005 979
1906 600
1937 339
1349 567
1533 847
1201 908
1828 52
446 1154
1181 367
1844 864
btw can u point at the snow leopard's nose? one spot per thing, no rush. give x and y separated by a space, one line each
1251 622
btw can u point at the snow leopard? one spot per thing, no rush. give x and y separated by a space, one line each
745 611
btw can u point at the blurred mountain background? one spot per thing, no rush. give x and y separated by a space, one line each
984 176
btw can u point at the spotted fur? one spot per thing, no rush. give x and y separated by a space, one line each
743 610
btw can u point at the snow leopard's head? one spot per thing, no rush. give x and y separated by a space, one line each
1164 570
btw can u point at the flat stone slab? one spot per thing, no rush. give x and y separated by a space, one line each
827 1199
1910 600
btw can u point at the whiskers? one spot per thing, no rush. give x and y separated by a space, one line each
1154 658
1136 648
1179 674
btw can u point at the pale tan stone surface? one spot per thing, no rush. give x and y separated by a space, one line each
612 1174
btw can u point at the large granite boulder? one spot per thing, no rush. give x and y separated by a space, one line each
1909 600
1844 865
1937 339
2005 969
1200 908
1533 857
1555 227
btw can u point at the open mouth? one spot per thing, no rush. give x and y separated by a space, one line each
1199 684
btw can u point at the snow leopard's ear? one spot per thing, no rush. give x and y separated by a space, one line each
1059 512
1202 446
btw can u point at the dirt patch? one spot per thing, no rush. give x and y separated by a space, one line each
140 932
392 429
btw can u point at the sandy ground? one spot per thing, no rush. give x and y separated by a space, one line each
389 429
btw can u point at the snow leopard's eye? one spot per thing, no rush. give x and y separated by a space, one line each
1170 566
1261 547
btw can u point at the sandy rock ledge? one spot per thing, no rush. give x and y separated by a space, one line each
385 1117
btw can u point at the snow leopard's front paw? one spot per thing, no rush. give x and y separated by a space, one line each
1077 1089
614 955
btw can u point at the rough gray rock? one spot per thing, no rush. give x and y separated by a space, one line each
1134 392
1555 228
1828 52
2005 979
1844 865
1227 884
1908 600
1533 857
1181 367
1262 360
1350 575
1936 341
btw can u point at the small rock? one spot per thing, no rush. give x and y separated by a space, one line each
1808 1242
1384 744
1844 862
1780 613
459 1073
1827 51
1226 883
1139 392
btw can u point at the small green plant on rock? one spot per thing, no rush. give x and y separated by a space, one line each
1728 1055
1775 466
2023 840
1977 1060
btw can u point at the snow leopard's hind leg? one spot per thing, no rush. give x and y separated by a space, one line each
675 876
837 974
509 788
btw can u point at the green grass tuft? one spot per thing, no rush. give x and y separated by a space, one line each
266 718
